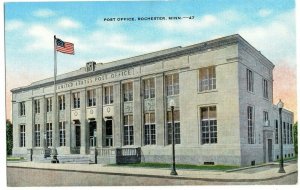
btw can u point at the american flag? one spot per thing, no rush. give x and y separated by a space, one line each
64 47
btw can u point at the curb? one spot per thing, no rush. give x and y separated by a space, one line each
159 176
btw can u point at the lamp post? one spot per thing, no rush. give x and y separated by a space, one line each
280 106
172 105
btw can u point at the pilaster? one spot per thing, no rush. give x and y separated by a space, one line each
83 122
117 120
137 112
159 110
99 116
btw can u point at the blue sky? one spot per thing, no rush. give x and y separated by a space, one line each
29 28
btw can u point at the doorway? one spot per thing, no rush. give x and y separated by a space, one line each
270 155
93 134
77 136
109 133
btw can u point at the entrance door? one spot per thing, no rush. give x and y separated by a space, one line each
93 134
77 135
109 133
270 156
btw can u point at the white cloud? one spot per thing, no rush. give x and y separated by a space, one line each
264 12
13 25
41 38
275 40
68 23
43 13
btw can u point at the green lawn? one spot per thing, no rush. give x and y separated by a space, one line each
14 158
179 166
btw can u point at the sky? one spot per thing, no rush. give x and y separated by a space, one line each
29 29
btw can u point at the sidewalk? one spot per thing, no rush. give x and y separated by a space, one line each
261 173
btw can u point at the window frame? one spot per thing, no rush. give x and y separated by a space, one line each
62 133
128 130
211 129
22 135
250 125
210 77
22 107
127 91
149 129
176 127
62 102
37 106
265 88
250 80
76 100
149 90
173 88
49 135
91 98
37 135
109 96
49 104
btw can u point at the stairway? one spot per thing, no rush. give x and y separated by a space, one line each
74 159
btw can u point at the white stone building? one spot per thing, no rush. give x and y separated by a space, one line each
224 111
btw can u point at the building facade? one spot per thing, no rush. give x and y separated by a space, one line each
224 112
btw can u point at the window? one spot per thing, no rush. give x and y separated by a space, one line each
49 104
62 102
287 133
22 108
207 78
276 131
37 108
176 126
284 133
172 83
149 88
250 114
22 136
37 135
150 133
127 92
91 95
249 80
265 88
128 130
76 100
62 134
266 118
291 133
108 95
208 121
49 134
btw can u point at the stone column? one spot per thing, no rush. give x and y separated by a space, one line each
68 122
55 119
29 127
16 126
42 120
83 123
99 116
137 112
117 120
159 110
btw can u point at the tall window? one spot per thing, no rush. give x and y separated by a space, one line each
284 133
249 80
49 134
291 133
266 117
62 102
250 113
265 88
22 108
149 88
128 130
276 131
128 91
172 82
287 133
91 95
76 100
49 104
62 134
108 95
37 108
208 121
150 133
176 126
37 135
22 135
207 78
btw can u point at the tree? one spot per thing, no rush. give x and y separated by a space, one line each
9 137
295 134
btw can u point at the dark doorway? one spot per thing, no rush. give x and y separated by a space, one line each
109 133
270 156
77 135
93 134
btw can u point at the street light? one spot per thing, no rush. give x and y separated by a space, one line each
280 106
172 105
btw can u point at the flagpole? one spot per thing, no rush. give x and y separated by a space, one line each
55 121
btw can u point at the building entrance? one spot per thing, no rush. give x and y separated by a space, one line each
109 133
93 134
77 136
270 155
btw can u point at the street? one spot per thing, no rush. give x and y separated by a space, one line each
25 177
